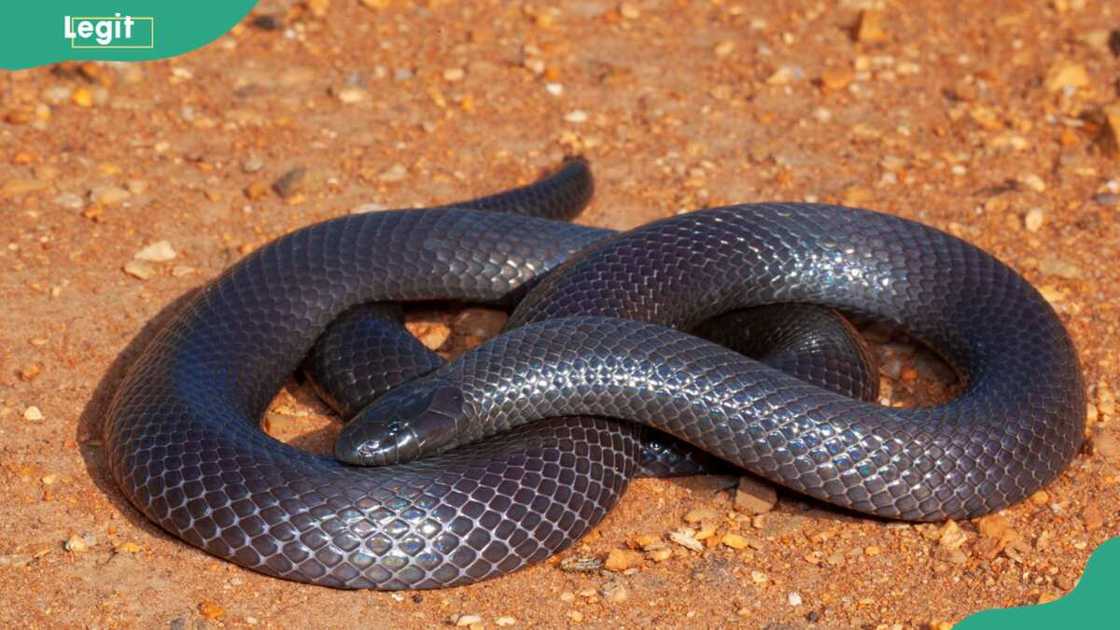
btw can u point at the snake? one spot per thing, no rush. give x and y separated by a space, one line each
474 468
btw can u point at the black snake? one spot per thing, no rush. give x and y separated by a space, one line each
598 335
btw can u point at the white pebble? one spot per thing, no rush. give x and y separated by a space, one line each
577 116
160 251
554 89
32 414
794 598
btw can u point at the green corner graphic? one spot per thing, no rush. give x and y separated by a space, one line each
1088 605
50 31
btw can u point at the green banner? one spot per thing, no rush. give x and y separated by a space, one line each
49 31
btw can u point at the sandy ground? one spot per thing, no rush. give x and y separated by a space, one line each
984 119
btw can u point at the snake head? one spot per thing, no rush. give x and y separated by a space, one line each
411 421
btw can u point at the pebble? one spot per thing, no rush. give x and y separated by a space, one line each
1034 219
581 564
367 207
256 190
724 48
577 116
108 196
480 322
1032 181
140 269
870 30
615 591
82 97
16 187
836 78
1092 518
1106 445
629 11
784 75
432 334
754 497
291 183
463 621
1066 74
453 75
1054 266
70 201
687 539
252 164
554 89
950 540
351 94
33 414
758 577
394 173
211 611
160 251
504 621
735 541
76 544
622 559
794 598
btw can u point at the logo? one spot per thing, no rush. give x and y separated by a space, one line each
110 32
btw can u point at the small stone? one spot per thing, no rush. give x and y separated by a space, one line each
318 8
432 334
32 414
582 564
1034 219
291 183
622 559
17 187
70 201
1054 266
836 78
256 190
1092 518
951 536
140 269
724 48
464 621
629 11
160 251
108 196
687 539
783 75
554 89
1032 181
76 544
128 547
211 611
872 550
758 577
453 75
576 116
1106 445
615 591
1066 74
735 541
252 164
567 597
82 97
394 173
351 94
480 322
575 616
700 514
869 29
504 621
754 497
794 598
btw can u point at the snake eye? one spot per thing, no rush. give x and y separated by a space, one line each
408 422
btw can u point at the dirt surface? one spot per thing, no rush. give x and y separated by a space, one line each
988 120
